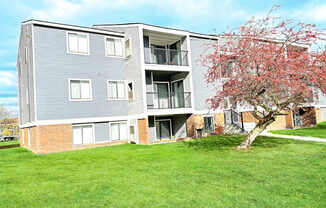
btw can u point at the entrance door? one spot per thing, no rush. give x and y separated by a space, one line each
161 96
297 118
163 129
178 94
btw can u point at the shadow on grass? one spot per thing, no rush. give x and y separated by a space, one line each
227 142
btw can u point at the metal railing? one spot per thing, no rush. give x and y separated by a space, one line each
165 56
233 117
156 100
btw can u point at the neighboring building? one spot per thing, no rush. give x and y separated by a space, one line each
81 87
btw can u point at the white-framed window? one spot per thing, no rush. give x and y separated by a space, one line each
130 91
80 90
209 124
113 46
132 133
128 48
83 134
118 130
78 43
26 55
117 90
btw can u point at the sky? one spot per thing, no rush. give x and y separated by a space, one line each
203 16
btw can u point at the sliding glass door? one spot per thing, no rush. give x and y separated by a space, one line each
163 129
161 96
178 94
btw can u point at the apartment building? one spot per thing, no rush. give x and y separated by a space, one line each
82 87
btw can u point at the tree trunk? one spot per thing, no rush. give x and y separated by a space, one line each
260 127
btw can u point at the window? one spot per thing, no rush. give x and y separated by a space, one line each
78 43
130 91
80 90
128 48
132 133
209 124
116 90
118 130
26 55
82 134
113 47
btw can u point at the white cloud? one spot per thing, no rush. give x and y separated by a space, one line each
8 79
186 10
8 100
312 12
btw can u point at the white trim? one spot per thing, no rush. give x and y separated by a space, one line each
73 27
82 99
208 112
119 122
122 45
133 90
125 89
142 67
83 120
149 27
81 125
34 78
130 47
162 67
169 111
67 43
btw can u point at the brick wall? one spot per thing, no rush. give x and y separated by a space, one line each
143 131
318 115
55 138
281 122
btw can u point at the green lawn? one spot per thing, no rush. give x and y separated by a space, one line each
9 143
317 131
202 173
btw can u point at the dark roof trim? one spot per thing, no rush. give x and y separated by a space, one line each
74 27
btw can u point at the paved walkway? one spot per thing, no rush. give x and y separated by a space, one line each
303 138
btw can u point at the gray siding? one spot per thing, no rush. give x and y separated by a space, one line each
133 67
101 132
201 90
25 76
54 66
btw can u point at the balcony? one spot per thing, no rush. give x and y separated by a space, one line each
162 56
164 100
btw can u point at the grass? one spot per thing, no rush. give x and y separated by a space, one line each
9 143
317 131
201 173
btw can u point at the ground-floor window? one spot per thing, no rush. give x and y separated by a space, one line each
83 134
118 130
209 124
132 133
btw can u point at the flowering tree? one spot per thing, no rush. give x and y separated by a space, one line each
269 65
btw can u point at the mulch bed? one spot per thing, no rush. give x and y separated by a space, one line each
9 146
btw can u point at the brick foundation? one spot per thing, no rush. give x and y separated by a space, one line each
143 131
196 121
55 138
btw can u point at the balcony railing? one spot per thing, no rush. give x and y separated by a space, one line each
156 100
166 56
